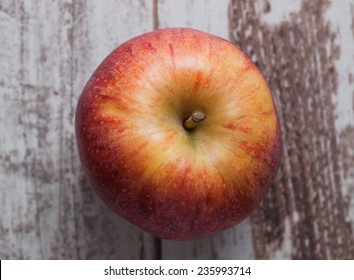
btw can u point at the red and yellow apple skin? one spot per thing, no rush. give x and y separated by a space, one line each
172 182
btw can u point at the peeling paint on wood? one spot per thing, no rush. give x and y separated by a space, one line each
232 243
306 215
48 51
48 211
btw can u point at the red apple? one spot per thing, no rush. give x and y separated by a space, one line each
178 133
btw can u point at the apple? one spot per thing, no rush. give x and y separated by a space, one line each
178 133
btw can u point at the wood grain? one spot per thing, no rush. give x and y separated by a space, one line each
49 49
98 29
303 50
306 214
48 209
212 17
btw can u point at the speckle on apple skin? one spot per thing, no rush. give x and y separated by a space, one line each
142 163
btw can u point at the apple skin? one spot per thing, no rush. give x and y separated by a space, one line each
176 183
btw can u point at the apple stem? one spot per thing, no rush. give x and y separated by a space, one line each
196 118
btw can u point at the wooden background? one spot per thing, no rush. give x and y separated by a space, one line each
49 49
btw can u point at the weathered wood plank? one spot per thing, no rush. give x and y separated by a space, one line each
48 51
305 50
29 189
306 53
99 27
209 16
212 17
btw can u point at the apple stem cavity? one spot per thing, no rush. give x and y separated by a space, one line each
196 118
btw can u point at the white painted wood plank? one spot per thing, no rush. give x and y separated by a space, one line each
100 27
306 51
309 212
48 51
209 16
212 17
